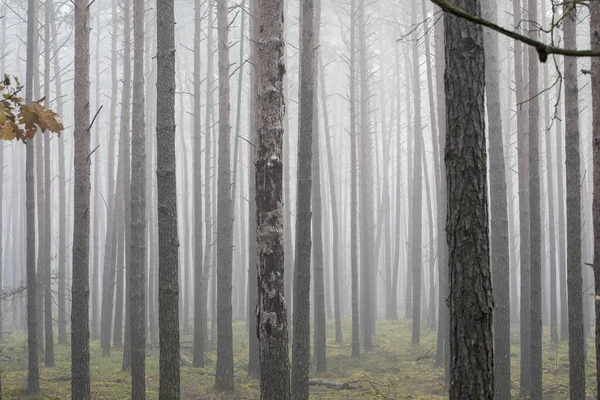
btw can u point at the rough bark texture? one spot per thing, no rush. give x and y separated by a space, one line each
271 314
224 371
33 375
80 330
573 183
302 258
168 250
137 266
498 211
470 300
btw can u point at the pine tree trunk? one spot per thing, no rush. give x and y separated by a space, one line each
574 265
272 318
137 249
168 279
302 258
224 370
334 210
498 210
200 306
80 331
470 301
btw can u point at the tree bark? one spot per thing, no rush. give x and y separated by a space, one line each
573 183
471 304
498 210
168 280
271 316
80 331
224 371
302 259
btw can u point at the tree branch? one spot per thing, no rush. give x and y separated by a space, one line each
542 49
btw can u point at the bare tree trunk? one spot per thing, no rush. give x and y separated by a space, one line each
367 203
47 248
272 315
562 251
354 187
137 249
471 304
574 265
33 374
168 280
301 343
108 275
254 368
334 210
200 307
417 192
80 330
224 371
498 210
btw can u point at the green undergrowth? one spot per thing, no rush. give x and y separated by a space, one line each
394 369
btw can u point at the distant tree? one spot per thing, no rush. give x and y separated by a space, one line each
470 301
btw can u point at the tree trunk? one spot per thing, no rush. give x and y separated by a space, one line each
498 210
301 343
80 330
595 75
334 210
168 279
137 266
254 369
574 265
33 374
200 306
471 304
354 187
224 371
272 318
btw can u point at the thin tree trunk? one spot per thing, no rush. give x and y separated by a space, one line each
334 210
574 265
137 249
80 330
224 370
498 210
302 258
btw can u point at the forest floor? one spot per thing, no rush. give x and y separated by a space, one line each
393 370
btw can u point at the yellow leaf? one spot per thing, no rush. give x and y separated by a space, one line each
28 117
47 120
8 131
3 114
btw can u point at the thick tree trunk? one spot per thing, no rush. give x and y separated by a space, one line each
224 371
80 331
168 279
498 210
301 343
574 265
471 304
272 318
